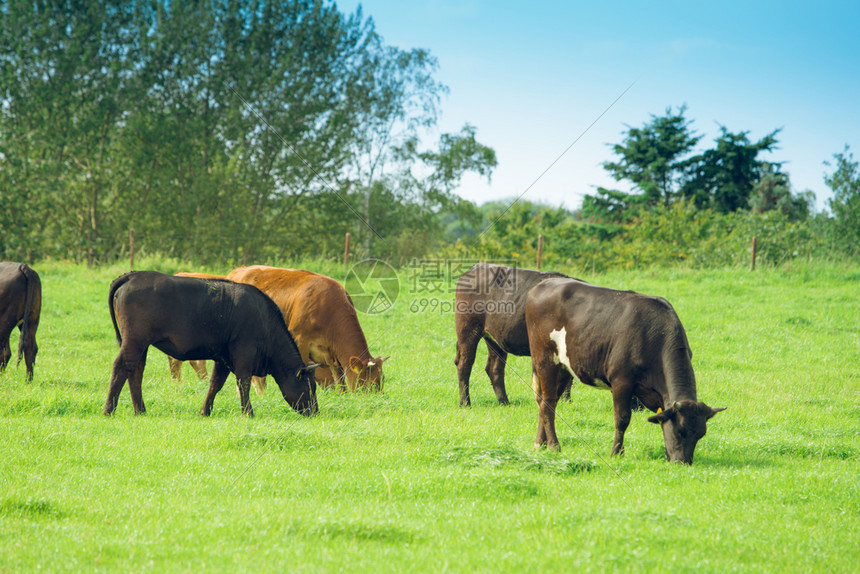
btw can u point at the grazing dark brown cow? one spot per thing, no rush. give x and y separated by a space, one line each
321 316
235 325
490 304
631 344
20 306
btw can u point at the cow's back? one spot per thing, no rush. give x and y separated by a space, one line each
13 289
491 299
606 328
316 308
20 294
301 295
171 312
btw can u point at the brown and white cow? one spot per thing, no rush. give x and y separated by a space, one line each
629 343
20 306
322 318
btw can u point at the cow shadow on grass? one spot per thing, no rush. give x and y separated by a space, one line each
493 402
709 459
717 461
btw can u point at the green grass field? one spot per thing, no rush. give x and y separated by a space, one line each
406 481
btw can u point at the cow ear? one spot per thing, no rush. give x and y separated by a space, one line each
355 364
663 416
714 410
307 369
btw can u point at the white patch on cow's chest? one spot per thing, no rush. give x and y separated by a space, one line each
559 337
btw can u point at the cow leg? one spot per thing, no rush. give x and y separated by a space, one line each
123 366
243 382
30 350
220 372
565 394
496 360
467 345
135 382
622 393
557 380
540 439
175 368
547 380
259 384
5 351
199 368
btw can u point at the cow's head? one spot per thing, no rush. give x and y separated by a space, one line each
684 423
368 372
300 391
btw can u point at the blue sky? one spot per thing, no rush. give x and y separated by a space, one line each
532 77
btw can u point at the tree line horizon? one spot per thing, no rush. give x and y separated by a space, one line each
243 131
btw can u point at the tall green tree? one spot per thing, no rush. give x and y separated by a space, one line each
652 158
773 192
215 128
65 72
844 182
723 178
398 97
410 205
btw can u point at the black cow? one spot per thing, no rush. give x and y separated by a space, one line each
20 306
490 304
631 344
235 325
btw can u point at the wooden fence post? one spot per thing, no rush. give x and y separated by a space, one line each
346 251
131 248
754 251
539 250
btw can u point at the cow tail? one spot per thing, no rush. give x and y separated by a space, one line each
117 283
34 288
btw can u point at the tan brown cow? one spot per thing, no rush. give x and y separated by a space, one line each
20 306
322 318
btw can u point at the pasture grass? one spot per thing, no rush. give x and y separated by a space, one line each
407 481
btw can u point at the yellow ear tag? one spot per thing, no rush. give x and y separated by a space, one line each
357 370
659 410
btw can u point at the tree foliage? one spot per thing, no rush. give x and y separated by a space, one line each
845 203
723 178
219 130
728 177
652 158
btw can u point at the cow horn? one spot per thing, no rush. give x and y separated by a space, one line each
384 358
